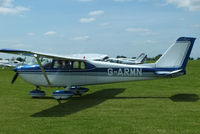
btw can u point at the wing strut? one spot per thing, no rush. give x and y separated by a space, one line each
41 67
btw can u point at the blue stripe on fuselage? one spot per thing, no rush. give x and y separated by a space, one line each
36 68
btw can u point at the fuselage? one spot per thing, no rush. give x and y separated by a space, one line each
64 71
77 73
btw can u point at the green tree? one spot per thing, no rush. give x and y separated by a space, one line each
158 56
121 57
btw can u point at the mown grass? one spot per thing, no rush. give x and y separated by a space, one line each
166 106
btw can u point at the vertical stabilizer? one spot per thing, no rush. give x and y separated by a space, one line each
141 59
177 55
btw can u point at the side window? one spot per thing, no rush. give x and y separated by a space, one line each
79 65
67 64
55 64
59 64
82 65
76 65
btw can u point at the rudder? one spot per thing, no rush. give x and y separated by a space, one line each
177 55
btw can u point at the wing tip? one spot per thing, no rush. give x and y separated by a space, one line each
10 50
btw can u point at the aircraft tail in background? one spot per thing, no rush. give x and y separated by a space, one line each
141 59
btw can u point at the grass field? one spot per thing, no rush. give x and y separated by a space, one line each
167 106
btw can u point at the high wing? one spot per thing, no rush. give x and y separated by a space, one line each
90 56
38 54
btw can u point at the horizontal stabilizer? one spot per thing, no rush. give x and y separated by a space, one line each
170 73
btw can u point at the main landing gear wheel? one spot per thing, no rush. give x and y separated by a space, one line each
78 90
65 94
37 93
62 94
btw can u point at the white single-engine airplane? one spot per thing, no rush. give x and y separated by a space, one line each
71 73
6 63
139 60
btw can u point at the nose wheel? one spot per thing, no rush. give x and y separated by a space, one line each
37 93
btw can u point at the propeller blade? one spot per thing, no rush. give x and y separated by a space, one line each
14 78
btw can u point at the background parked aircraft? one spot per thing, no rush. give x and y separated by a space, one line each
139 60
7 63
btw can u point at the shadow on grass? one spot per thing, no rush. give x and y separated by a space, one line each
175 98
185 98
44 97
76 104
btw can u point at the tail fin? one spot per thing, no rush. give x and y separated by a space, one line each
177 55
141 59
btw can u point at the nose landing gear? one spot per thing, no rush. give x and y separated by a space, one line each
37 93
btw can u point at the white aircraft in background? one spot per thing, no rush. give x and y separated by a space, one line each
139 60
71 73
3 62
7 63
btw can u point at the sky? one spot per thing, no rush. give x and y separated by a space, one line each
113 27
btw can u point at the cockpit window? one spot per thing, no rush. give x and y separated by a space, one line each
47 63
56 64
59 64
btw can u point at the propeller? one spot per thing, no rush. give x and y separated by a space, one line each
14 78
